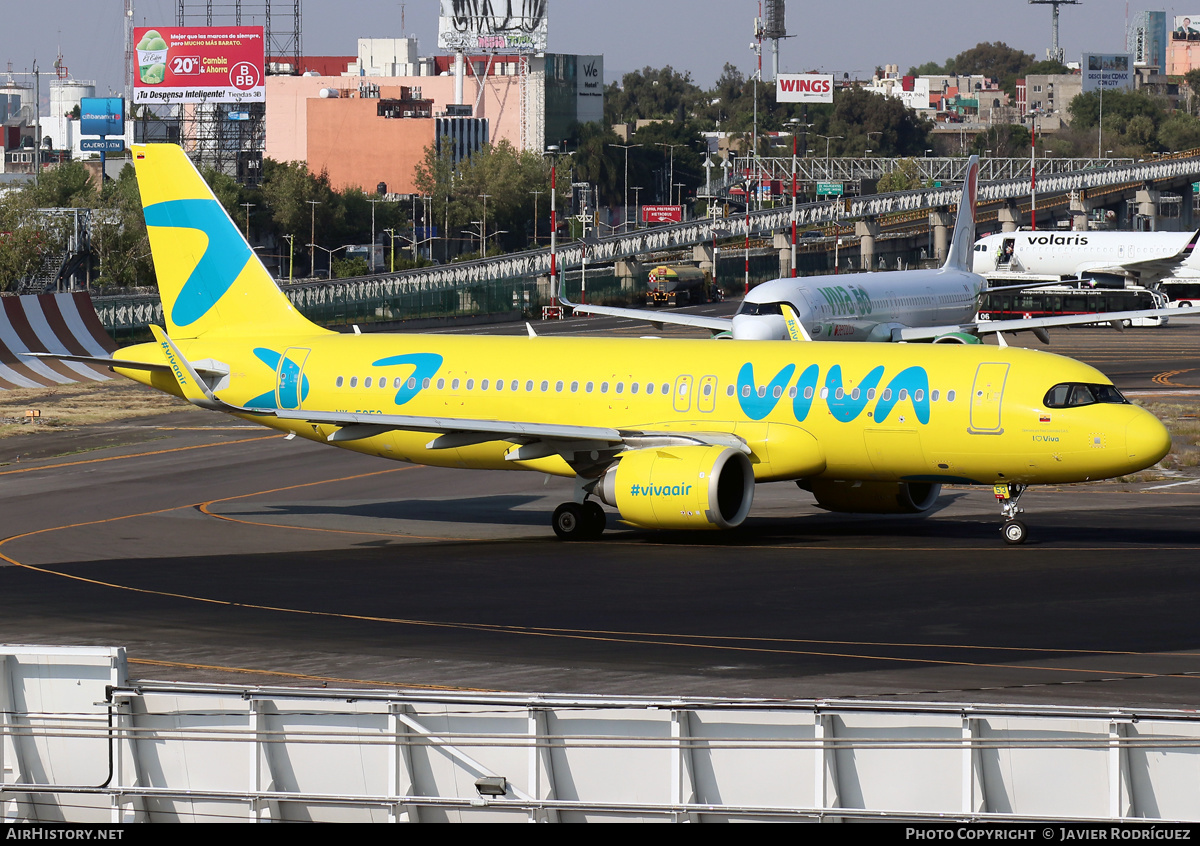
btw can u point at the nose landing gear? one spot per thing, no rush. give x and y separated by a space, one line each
1009 496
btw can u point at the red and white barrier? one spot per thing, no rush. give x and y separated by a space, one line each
65 324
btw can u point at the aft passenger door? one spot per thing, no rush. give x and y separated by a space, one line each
290 383
986 399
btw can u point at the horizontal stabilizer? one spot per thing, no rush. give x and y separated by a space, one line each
126 364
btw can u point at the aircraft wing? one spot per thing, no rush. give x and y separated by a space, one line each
986 327
533 440
487 430
713 324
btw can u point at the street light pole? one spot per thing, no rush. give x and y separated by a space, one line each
247 207
483 228
552 150
535 215
637 203
626 148
373 202
671 178
291 239
312 231
331 252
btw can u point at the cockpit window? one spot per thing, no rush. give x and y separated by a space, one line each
1075 394
760 308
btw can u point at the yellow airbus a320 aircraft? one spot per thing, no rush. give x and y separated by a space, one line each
673 434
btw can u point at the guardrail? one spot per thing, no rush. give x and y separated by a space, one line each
81 742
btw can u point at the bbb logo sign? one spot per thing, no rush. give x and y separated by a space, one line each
244 76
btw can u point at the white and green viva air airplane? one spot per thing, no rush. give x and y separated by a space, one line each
673 434
938 305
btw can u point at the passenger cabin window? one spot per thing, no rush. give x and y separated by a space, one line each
1075 394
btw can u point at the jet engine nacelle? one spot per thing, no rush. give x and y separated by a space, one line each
689 487
874 497
957 338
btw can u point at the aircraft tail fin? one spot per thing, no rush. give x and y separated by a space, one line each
963 241
208 277
796 330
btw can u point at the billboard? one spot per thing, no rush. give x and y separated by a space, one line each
1106 71
198 64
102 116
662 214
804 88
1186 28
503 26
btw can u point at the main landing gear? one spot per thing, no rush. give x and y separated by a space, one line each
1008 496
573 521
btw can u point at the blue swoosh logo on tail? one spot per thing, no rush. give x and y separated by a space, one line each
224 258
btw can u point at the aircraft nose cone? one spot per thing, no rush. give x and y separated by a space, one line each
759 327
1147 440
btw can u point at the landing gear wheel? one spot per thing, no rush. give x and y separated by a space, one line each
568 522
594 519
1014 532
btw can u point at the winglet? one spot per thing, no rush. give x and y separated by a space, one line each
194 389
796 330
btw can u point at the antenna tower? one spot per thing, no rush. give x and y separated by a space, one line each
1055 52
773 30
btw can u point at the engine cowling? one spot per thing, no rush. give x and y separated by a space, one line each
957 338
874 497
689 487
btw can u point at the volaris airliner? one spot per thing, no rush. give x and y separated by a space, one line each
673 434
1100 255
938 305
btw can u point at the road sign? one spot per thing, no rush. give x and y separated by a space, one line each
829 188
102 145
662 214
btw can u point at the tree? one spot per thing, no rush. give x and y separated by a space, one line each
1192 78
25 236
119 235
905 177
932 69
1132 120
995 60
1005 141
508 176
67 186
287 189
652 93
1046 66
1179 132
867 120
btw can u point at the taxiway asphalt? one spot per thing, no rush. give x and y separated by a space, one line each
219 551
